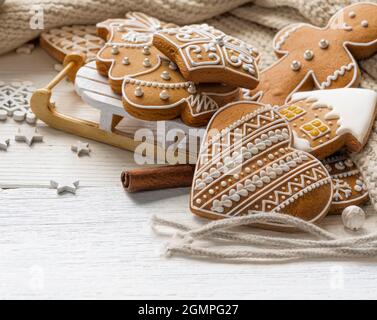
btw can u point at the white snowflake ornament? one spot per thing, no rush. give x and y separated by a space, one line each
15 99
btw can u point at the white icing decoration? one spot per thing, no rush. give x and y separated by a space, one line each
126 61
336 74
133 36
301 143
355 108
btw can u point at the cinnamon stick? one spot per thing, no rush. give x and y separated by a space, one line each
155 178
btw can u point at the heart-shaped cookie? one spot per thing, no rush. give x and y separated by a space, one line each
247 163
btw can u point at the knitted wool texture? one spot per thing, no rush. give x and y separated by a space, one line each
253 21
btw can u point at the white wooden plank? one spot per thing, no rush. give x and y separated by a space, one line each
98 244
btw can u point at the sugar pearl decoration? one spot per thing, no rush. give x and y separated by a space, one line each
352 14
295 65
164 95
146 50
308 55
364 23
191 89
323 44
165 75
126 61
173 66
147 63
115 50
353 218
138 92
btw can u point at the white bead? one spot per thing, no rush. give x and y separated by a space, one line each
146 50
138 92
147 63
323 44
364 23
352 14
308 55
353 217
164 95
296 65
115 50
173 66
191 89
165 75
126 61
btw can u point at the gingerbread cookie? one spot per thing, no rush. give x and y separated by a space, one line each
322 58
323 121
128 50
71 39
205 54
348 184
151 85
246 164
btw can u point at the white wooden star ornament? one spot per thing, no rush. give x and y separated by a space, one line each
60 187
81 148
29 136
4 144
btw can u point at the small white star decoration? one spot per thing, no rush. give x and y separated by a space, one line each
4 144
81 148
29 136
64 187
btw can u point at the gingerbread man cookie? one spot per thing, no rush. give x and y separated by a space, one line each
205 54
247 164
60 42
322 58
323 121
151 85
348 185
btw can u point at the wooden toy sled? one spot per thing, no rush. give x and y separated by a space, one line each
96 92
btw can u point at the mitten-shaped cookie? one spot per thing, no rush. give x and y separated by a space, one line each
205 54
321 58
247 164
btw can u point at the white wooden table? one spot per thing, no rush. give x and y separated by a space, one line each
98 244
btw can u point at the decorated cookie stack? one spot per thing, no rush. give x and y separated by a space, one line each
141 60
263 153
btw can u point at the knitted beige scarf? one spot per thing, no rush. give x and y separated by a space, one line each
253 21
